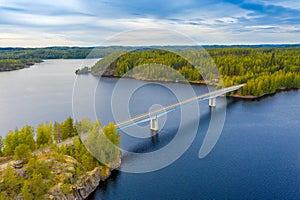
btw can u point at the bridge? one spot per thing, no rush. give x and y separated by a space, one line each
153 116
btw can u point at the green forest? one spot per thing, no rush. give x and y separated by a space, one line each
263 70
15 64
53 156
19 58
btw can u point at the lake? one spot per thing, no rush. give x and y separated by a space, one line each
257 155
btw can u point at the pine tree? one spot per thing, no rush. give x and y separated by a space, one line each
22 152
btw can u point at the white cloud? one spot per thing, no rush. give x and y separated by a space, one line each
45 20
34 38
261 27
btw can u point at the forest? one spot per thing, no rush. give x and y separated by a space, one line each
54 156
19 58
263 70
15 64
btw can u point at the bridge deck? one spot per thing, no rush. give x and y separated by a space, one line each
206 96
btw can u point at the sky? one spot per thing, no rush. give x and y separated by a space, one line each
38 23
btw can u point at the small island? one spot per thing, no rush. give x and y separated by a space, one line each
84 70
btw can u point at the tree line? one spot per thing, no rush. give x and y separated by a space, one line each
46 134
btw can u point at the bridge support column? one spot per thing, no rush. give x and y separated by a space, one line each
212 102
154 124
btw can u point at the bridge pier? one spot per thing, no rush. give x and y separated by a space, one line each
154 124
212 102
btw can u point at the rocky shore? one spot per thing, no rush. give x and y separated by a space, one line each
84 186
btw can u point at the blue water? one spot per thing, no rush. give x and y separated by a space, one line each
38 94
256 157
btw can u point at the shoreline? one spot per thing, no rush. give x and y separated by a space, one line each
153 80
239 97
246 98
269 94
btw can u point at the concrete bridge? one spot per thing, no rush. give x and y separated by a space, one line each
153 116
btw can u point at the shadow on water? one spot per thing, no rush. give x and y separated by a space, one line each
155 139
158 140
153 143
165 136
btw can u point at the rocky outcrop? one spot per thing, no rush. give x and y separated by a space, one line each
82 189
91 182
84 185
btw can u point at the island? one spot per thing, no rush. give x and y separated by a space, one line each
84 70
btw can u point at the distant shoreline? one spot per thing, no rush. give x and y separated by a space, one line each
26 64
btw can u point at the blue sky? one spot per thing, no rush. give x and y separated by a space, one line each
90 22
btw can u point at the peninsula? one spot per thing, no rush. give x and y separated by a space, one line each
264 71
57 163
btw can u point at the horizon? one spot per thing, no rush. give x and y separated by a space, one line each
129 46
